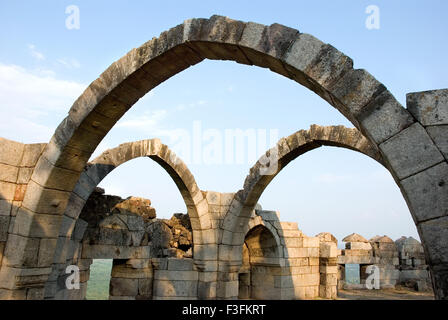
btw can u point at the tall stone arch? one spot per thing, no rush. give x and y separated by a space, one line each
407 148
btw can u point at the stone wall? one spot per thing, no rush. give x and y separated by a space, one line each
17 162
400 263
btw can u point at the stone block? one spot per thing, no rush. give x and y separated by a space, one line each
24 175
384 117
205 252
41 200
358 246
426 193
8 173
166 275
329 279
204 236
164 288
139 263
22 251
31 154
80 228
145 287
36 225
439 135
269 215
46 174
311 242
7 190
124 287
356 89
328 269
213 198
74 206
46 252
6 294
429 107
434 234
5 207
127 272
11 152
115 252
410 151
328 250
180 264
4 226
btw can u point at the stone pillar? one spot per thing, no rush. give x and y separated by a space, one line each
207 279
328 268
227 287
426 191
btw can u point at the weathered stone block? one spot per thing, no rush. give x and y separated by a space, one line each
180 264
115 252
61 179
434 234
426 193
123 287
36 225
410 151
11 152
80 228
205 252
384 117
355 90
46 252
164 288
429 107
5 207
7 190
439 135
8 173
41 200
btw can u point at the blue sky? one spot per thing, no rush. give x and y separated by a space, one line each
44 66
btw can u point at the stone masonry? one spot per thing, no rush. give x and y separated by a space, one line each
43 187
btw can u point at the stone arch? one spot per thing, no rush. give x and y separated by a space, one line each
96 170
407 149
291 147
109 160
262 254
258 222
278 157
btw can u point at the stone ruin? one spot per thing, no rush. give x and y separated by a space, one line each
44 187
279 261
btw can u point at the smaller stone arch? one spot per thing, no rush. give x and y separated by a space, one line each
262 253
109 160
277 158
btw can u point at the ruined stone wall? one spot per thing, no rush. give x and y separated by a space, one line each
400 263
17 162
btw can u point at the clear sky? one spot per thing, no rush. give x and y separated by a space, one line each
44 67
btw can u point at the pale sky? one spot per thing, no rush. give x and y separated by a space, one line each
44 67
